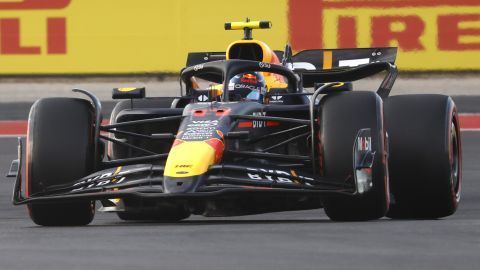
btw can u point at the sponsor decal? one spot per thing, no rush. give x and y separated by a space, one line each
364 143
303 65
353 62
257 123
264 65
429 33
102 180
276 99
198 130
198 67
183 166
202 98
279 177
251 87
249 78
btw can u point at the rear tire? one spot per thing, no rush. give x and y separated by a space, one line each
342 116
425 156
60 150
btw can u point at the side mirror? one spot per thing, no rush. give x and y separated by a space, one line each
128 93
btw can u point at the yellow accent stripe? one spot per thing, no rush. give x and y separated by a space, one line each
117 171
339 84
126 89
327 59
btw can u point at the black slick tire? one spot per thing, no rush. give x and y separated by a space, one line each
342 115
425 156
60 150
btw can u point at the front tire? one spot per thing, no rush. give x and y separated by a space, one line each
342 116
60 150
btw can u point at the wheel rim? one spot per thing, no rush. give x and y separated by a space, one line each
455 162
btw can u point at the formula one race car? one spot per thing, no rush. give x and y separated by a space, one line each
254 131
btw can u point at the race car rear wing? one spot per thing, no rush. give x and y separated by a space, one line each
319 59
342 58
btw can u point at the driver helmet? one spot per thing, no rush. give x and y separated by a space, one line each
249 86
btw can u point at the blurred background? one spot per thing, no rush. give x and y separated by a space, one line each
154 37
48 47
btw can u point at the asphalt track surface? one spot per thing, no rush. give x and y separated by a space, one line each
287 240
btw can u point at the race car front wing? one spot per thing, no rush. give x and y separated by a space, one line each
146 181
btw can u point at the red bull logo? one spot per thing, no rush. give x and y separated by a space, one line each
249 78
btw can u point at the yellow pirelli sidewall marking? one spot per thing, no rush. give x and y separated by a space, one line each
189 159
430 57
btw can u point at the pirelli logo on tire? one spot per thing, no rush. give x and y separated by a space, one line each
431 34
